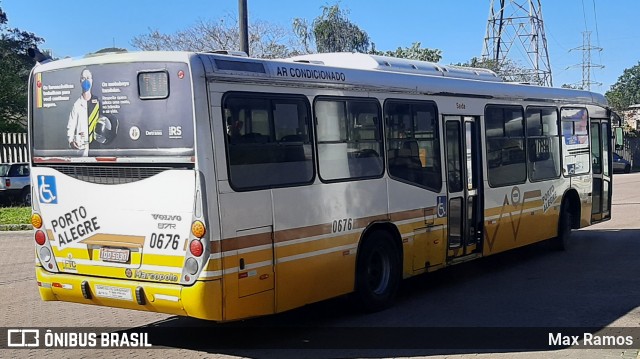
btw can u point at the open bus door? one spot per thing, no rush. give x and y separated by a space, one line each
601 153
464 187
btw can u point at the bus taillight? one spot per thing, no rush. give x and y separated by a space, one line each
40 237
191 265
36 221
198 229
196 247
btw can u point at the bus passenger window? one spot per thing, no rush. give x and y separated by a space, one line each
543 143
349 138
575 144
506 162
260 153
413 146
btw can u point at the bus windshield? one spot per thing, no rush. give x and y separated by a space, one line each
136 109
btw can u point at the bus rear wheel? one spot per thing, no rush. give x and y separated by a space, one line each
378 272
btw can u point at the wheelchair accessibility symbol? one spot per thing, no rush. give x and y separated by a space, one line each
47 189
442 206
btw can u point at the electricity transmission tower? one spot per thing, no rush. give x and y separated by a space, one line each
516 43
586 64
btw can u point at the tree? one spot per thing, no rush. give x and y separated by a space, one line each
626 91
265 39
15 66
508 70
415 52
332 32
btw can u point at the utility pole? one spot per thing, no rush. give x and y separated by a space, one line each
515 35
244 26
586 64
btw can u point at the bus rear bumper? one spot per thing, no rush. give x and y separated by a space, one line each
201 300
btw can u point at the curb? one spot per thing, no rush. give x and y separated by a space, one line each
15 227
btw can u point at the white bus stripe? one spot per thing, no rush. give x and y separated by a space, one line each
316 253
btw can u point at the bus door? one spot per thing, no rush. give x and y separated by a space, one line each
464 187
602 169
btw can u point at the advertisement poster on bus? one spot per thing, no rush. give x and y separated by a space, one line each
113 110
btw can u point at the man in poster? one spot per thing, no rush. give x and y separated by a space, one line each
84 116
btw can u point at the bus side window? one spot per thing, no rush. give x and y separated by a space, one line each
256 158
543 143
349 138
413 146
505 138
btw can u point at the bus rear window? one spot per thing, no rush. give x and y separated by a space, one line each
153 85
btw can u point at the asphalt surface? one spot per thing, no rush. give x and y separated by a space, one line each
593 285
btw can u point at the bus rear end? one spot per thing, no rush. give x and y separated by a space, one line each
117 195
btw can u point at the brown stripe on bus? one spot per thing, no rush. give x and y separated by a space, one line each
252 240
286 235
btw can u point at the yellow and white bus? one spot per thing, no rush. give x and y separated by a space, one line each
223 187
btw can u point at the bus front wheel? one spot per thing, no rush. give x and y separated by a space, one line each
562 241
378 272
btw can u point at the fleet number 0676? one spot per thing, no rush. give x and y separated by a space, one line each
341 225
164 241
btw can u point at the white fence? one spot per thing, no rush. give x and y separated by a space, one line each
13 147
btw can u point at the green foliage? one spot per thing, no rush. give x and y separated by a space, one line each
626 91
332 32
415 52
15 215
15 65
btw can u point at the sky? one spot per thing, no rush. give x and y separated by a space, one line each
457 28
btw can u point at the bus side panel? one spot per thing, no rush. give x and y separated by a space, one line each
522 214
413 210
583 184
317 229
247 250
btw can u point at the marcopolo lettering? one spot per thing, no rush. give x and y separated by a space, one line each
155 276
311 74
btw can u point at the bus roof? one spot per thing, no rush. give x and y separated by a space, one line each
370 72
354 60
116 57
351 70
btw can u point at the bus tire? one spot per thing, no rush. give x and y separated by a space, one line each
562 241
378 272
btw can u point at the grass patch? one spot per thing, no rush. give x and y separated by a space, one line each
15 215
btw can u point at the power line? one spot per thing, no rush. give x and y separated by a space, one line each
584 17
595 16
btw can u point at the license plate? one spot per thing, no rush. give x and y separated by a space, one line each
116 255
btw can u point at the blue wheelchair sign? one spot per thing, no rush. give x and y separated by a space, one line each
47 189
442 206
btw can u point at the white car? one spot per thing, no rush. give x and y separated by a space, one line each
14 183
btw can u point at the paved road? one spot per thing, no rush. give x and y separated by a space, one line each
595 284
